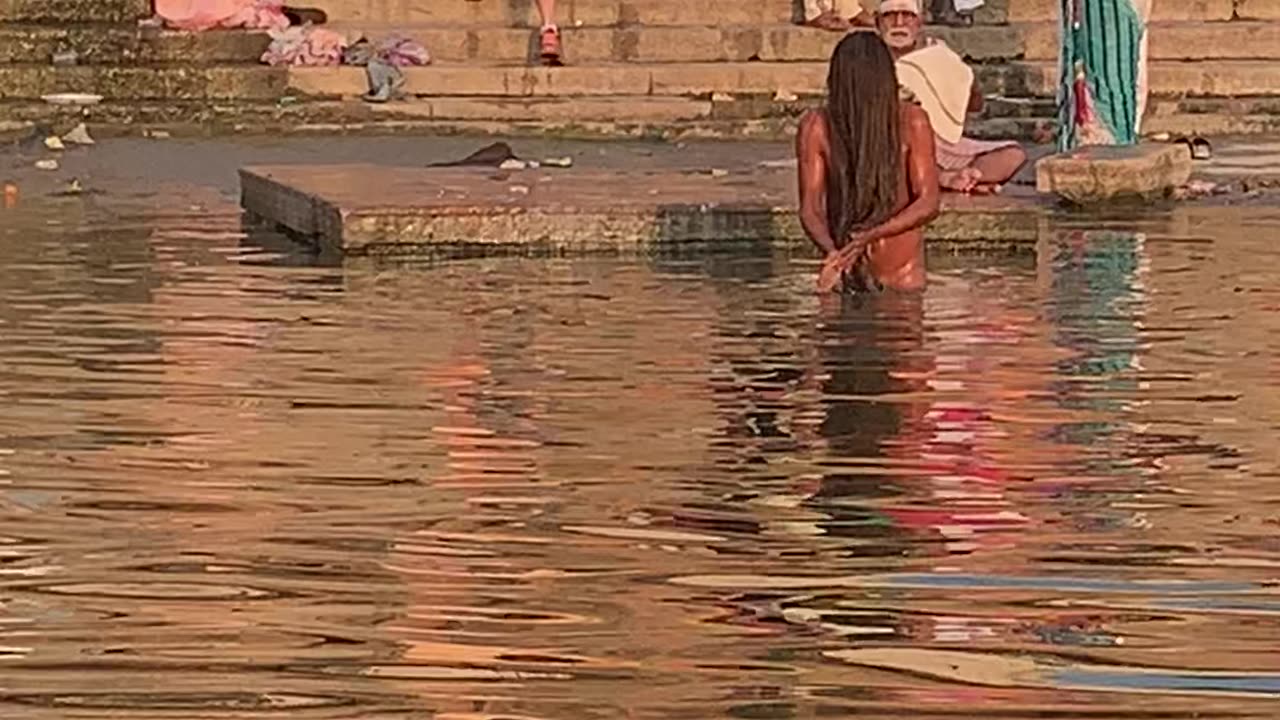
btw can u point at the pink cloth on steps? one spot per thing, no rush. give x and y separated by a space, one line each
198 15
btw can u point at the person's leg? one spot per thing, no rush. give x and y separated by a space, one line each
550 34
855 12
820 14
547 9
814 9
999 166
962 180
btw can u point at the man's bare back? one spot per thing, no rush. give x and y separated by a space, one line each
893 252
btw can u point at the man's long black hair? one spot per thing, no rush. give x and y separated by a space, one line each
865 168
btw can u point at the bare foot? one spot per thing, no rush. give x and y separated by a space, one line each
963 180
830 21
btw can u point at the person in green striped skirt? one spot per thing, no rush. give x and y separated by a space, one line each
1103 88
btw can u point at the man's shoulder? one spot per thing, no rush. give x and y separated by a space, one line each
931 43
814 120
915 117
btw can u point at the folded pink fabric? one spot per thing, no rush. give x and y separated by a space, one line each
306 45
199 15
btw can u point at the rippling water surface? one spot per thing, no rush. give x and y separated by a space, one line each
233 485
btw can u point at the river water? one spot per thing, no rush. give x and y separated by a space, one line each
235 484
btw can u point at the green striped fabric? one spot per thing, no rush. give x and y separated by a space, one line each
1103 40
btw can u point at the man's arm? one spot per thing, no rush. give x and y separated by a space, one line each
922 177
813 182
976 101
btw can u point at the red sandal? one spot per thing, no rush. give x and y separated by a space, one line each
551 47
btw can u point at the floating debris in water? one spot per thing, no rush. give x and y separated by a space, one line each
53 142
79 135
47 165
71 188
559 162
513 164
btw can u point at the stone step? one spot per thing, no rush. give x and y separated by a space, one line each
74 11
660 118
570 13
521 13
1021 79
127 45
665 44
790 43
171 82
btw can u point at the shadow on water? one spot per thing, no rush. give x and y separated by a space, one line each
238 480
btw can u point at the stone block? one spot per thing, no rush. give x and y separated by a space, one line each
1215 78
360 209
1258 9
1216 41
1104 173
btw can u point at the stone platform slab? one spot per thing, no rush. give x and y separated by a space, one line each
1099 174
360 209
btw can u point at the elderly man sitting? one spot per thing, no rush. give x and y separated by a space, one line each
964 164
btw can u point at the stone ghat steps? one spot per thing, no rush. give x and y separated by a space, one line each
74 11
126 44
652 118
122 45
157 82
1018 79
790 43
520 13
636 80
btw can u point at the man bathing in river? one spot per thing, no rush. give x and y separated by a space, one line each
966 165
868 177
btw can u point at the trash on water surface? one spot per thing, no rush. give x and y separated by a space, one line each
71 188
46 164
53 142
560 162
79 135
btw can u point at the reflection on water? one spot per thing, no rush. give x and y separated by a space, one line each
236 485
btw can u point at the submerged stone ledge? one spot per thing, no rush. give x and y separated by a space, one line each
370 209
